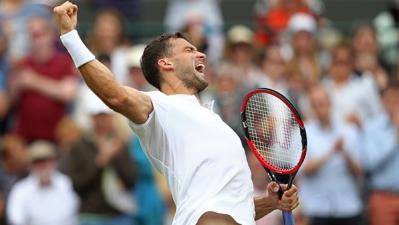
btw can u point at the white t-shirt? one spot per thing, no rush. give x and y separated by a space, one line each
29 203
201 158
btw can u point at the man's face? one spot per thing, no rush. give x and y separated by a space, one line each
274 63
43 169
342 64
321 104
40 33
189 64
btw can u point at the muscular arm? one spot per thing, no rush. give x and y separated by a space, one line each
131 103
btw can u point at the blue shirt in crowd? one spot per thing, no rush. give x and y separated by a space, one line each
382 154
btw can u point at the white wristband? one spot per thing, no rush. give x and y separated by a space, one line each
77 49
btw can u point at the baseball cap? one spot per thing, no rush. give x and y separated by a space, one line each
39 150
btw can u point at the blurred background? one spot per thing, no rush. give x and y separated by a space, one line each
67 159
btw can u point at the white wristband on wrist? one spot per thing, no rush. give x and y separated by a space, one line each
77 49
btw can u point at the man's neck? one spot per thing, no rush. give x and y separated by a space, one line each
176 87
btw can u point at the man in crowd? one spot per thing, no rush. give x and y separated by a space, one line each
46 196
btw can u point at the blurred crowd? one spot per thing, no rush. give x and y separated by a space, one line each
66 158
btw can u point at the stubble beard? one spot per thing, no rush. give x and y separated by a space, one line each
191 80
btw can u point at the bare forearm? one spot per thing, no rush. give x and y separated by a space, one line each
262 207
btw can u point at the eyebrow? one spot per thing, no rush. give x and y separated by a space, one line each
191 47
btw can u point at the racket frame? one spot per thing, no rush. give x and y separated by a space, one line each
252 146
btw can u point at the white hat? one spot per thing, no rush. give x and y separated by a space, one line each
240 34
93 104
134 55
39 150
302 22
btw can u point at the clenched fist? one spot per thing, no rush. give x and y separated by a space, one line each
66 16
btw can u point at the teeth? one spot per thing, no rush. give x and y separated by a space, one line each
200 67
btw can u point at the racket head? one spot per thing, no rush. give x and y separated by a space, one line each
274 130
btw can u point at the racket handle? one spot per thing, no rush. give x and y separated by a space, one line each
288 218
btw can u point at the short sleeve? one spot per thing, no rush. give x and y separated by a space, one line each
151 133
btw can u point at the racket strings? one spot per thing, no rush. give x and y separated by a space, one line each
274 130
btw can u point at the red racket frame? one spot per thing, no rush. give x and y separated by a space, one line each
297 118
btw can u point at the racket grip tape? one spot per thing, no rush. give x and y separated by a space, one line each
288 218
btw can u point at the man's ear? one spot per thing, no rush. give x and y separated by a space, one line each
165 64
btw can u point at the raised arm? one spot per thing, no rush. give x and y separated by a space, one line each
133 104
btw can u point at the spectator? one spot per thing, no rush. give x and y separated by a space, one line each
129 8
302 29
240 53
42 85
349 103
151 207
14 166
298 91
382 160
273 20
273 67
195 30
108 37
136 76
14 17
229 93
100 166
367 62
67 133
333 153
36 199
180 12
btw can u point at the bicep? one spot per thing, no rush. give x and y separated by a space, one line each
137 106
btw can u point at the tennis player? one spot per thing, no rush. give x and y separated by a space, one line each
201 158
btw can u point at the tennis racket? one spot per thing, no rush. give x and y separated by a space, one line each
275 133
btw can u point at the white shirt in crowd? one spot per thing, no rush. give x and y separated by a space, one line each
201 158
31 204
332 191
358 96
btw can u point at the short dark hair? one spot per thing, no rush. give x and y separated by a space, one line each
157 48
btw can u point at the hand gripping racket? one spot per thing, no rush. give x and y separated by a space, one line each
276 135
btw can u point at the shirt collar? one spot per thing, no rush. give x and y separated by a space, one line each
192 98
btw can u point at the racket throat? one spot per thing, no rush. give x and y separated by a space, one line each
281 179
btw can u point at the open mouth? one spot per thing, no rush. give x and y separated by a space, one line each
200 67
